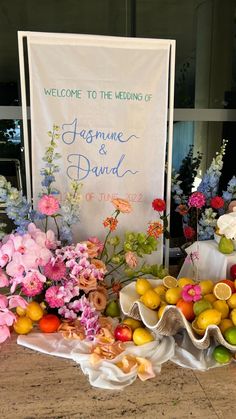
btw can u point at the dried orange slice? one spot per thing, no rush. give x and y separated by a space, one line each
170 281
222 291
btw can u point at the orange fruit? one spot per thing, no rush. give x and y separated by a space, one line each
222 291
170 281
49 323
34 311
23 325
187 309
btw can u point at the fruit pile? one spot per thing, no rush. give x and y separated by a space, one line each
34 313
203 304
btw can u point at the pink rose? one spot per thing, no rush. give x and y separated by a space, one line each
48 205
131 259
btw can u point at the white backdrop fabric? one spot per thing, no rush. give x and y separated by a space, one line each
109 96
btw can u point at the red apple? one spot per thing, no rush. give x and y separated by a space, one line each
233 271
123 332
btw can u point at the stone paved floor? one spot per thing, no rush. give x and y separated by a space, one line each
34 385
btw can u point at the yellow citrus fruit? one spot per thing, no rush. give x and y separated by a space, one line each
151 299
142 285
173 295
196 329
161 310
232 301
34 311
134 324
225 324
210 297
23 325
222 307
160 290
185 281
207 286
233 316
208 317
20 311
222 291
169 281
142 336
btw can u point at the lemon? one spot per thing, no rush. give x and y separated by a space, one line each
222 291
34 311
173 295
210 297
160 290
196 329
20 311
208 317
232 301
23 325
233 316
169 281
142 336
161 310
225 324
142 285
222 307
151 299
207 286
134 324
185 281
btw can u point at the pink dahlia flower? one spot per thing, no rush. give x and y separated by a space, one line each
48 205
32 284
52 297
197 200
55 270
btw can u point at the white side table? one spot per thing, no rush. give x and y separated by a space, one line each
212 264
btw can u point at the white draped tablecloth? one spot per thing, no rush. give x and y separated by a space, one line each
211 263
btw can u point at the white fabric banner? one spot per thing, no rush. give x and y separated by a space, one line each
109 96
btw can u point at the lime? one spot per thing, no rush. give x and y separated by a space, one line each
200 306
151 299
230 335
142 336
222 354
23 325
142 285
34 311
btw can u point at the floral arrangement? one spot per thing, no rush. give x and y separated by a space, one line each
201 210
73 280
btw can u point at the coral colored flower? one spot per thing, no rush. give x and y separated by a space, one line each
92 248
217 202
122 205
87 282
155 229
189 232
48 205
55 270
159 205
99 264
182 209
96 241
53 298
191 293
116 287
131 259
197 200
110 222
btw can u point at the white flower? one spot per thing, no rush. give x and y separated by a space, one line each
227 225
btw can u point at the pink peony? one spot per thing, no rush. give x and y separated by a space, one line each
55 270
48 205
32 284
197 200
52 297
